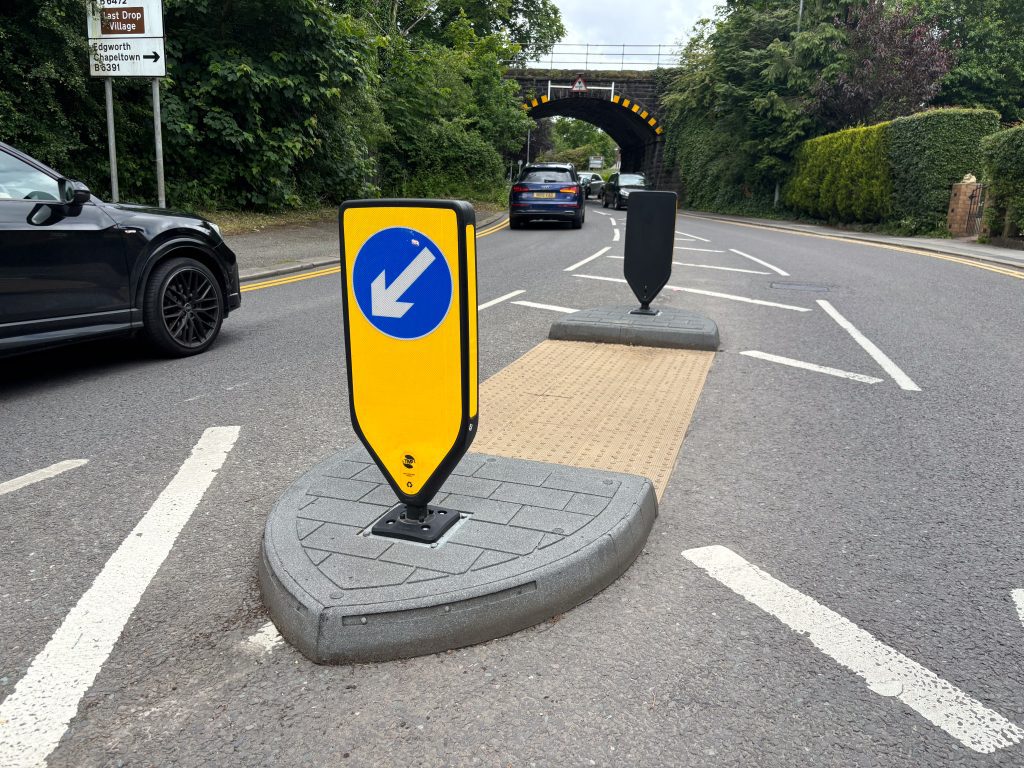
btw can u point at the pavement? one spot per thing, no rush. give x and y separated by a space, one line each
832 579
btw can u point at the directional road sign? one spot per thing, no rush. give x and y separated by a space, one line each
126 38
409 298
650 240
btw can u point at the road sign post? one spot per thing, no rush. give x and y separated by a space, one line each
126 39
408 272
650 239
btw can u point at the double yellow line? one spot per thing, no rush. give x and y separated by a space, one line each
296 278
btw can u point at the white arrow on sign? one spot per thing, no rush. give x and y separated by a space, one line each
384 301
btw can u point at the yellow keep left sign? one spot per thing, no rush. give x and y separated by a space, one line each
408 270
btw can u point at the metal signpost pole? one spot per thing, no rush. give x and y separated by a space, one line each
108 89
158 136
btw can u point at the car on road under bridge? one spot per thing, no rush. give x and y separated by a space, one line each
619 186
547 191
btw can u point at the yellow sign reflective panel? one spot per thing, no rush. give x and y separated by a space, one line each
409 295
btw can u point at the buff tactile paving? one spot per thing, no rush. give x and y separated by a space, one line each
672 328
539 539
602 406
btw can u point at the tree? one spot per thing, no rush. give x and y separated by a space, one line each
987 39
893 62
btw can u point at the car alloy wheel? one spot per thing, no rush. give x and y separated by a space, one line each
183 307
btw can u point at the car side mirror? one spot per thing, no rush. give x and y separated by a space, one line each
74 192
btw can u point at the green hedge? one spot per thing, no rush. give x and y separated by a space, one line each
1003 155
898 172
928 153
843 176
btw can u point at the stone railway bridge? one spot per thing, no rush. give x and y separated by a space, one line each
626 105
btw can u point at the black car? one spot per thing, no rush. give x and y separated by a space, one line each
73 267
547 191
619 185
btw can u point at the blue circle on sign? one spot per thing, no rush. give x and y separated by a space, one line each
402 283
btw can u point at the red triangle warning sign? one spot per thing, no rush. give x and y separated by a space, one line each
579 86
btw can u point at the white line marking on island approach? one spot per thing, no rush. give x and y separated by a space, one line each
724 269
35 716
1018 598
695 237
41 474
615 235
549 307
614 223
812 367
267 638
597 255
506 297
704 293
762 263
879 356
701 250
886 671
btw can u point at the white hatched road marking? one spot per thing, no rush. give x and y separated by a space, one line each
868 346
724 269
549 307
615 235
812 367
41 474
1018 598
705 293
614 223
762 263
886 671
587 260
695 237
506 297
701 250
35 716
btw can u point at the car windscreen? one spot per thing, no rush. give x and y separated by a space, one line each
550 176
632 180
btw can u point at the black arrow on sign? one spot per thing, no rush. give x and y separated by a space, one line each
154 56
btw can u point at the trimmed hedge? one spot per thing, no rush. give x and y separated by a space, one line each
844 176
928 153
1004 171
898 172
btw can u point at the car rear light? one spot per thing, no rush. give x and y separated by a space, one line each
520 188
570 190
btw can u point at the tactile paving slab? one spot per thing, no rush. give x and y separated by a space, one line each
537 540
670 327
602 406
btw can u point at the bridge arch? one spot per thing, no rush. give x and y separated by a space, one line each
625 105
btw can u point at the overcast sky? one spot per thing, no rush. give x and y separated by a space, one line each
638 22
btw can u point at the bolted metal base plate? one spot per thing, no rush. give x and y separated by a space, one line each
398 523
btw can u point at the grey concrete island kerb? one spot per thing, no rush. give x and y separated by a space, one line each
670 327
535 540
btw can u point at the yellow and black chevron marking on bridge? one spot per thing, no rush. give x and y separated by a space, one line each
622 101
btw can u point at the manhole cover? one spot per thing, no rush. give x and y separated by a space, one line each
810 287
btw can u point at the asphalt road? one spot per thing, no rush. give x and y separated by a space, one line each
898 508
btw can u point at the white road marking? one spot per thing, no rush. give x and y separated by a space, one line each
550 307
615 235
614 223
601 213
500 299
268 638
597 255
886 671
774 269
41 474
695 237
868 346
701 250
724 269
812 367
1018 598
702 293
35 716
